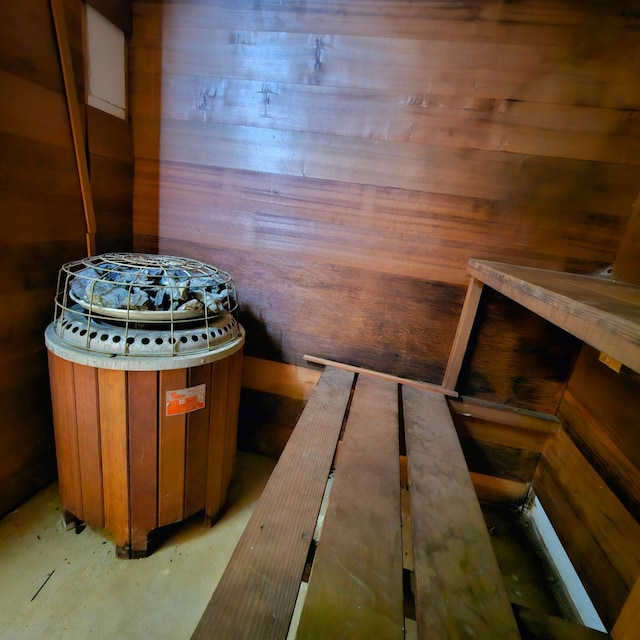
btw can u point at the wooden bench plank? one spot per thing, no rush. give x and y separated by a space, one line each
355 588
256 595
459 588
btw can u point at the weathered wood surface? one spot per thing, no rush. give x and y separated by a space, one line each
459 588
501 442
41 224
627 263
382 376
628 622
76 119
379 143
601 312
256 594
355 588
601 537
599 411
463 332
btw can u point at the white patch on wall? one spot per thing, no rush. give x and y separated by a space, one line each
106 78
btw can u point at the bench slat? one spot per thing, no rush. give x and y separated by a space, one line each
257 592
355 589
459 588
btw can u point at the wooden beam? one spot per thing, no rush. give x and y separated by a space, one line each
463 331
76 121
383 376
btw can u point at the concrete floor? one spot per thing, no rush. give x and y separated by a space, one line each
57 584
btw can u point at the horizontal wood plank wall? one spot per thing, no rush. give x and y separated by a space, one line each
499 442
345 160
600 535
110 142
42 223
599 413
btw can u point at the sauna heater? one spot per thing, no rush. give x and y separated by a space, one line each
145 356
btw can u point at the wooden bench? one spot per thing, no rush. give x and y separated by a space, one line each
367 567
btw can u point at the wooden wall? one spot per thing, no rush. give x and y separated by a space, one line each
588 478
42 222
345 159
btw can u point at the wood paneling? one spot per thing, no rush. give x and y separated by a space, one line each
42 223
111 165
345 160
601 537
459 589
627 264
356 578
599 409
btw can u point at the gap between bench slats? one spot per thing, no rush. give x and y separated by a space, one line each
257 592
355 588
459 587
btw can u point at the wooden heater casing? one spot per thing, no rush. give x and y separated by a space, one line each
128 464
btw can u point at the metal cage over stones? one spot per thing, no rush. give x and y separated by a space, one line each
144 305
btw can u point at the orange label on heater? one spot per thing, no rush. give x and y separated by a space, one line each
186 400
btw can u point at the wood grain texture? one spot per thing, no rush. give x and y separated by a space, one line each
499 491
257 592
616 531
89 443
599 534
76 119
626 626
66 432
112 387
171 450
197 447
380 142
355 587
463 332
215 487
598 410
41 226
278 378
627 266
603 313
231 424
143 456
451 543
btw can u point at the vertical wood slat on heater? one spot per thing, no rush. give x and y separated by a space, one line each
143 462
112 387
172 450
66 435
197 444
231 422
88 428
215 484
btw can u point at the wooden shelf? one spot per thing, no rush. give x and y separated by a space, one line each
601 312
